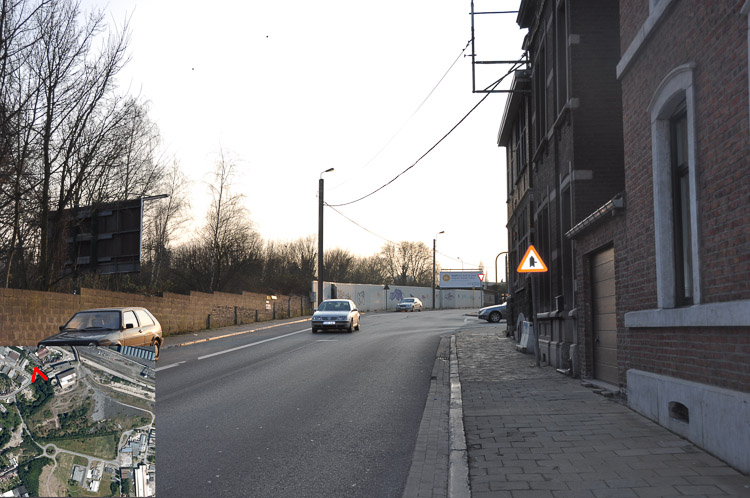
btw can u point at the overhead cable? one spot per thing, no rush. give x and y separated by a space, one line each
492 87
408 120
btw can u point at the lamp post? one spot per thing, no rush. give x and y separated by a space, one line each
434 241
320 236
500 254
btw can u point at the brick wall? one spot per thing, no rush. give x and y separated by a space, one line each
713 35
27 317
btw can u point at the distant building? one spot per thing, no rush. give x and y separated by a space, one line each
79 474
142 353
66 378
142 482
42 353
13 355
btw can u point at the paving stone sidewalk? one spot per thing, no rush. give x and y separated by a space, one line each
532 432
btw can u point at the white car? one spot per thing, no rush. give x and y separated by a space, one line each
335 314
410 304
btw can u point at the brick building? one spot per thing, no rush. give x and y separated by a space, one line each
562 130
676 262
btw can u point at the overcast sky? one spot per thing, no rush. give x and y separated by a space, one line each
293 88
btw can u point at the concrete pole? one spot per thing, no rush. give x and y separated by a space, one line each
433 273
320 240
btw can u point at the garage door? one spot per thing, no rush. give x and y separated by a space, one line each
604 317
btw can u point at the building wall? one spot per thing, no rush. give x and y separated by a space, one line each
713 37
26 317
576 151
696 357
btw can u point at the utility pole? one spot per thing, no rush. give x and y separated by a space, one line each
434 250
320 236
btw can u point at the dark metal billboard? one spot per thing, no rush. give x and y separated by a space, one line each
103 239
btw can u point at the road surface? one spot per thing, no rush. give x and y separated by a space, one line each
285 412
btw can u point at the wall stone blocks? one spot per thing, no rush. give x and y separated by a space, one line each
26 317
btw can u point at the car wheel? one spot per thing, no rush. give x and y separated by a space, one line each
314 330
420 310
495 317
350 329
359 324
157 348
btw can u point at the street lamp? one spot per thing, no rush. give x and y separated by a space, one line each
500 254
433 266
320 236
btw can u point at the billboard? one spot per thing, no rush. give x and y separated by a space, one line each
461 279
104 239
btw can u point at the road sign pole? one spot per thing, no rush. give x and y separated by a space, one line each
533 316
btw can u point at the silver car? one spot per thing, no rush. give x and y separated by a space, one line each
335 314
131 326
494 313
410 304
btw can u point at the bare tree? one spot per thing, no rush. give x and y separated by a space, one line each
338 265
164 218
408 263
79 111
228 229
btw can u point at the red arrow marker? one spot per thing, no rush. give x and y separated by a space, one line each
37 371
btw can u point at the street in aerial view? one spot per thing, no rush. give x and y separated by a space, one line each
451 249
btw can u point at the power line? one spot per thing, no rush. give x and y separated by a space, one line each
408 120
493 86
360 226
389 240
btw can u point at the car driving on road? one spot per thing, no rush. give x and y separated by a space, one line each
410 304
494 313
127 326
336 314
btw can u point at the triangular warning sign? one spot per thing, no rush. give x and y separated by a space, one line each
481 277
531 262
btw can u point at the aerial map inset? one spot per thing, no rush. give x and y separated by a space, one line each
77 421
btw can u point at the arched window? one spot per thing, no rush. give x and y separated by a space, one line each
672 111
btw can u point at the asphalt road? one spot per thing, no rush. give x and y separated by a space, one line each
288 413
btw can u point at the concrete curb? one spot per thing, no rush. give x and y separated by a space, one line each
458 474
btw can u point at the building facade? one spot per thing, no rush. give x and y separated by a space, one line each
562 131
686 320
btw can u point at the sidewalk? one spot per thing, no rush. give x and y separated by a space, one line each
532 432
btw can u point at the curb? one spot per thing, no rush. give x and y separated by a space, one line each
458 473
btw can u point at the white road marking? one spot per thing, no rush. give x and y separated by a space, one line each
252 344
169 366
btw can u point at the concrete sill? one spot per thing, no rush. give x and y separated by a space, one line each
729 314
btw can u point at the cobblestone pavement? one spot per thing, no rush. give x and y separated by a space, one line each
532 432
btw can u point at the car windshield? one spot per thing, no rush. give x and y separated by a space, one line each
334 306
407 301
89 320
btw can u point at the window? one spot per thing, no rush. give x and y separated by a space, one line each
683 259
675 181
561 47
144 318
129 318
539 83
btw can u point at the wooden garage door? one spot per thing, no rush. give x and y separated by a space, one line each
605 323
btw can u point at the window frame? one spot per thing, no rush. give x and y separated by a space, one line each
673 91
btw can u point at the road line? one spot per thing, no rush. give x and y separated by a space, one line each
169 366
252 344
